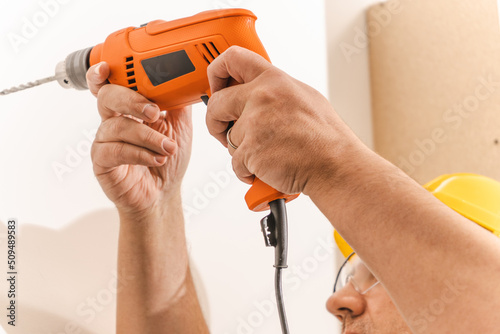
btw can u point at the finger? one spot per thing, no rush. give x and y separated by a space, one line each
236 62
123 129
112 154
239 166
97 76
225 106
113 100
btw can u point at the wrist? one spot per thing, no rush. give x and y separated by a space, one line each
166 204
339 168
365 183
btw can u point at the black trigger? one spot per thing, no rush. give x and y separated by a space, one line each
204 98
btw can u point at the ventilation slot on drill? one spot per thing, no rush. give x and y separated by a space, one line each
129 69
208 51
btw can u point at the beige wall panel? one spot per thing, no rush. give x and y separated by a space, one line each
435 81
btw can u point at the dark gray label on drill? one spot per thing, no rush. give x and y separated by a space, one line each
167 67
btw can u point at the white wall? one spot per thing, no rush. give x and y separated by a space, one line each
348 78
68 227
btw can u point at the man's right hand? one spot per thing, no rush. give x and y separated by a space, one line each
140 155
287 133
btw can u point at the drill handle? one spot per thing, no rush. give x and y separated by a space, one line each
261 194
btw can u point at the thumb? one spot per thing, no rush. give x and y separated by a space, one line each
236 62
97 76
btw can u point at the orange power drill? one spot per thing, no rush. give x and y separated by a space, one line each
167 63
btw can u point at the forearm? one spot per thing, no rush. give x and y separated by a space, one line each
159 295
424 253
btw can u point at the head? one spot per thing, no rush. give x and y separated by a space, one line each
361 303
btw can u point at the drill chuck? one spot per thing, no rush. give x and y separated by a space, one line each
71 72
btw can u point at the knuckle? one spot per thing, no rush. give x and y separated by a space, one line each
235 165
211 67
101 132
263 95
149 136
208 122
131 97
142 157
273 75
234 54
88 75
135 99
234 51
102 95
117 126
94 152
91 76
89 80
133 102
213 101
253 123
275 87
103 92
212 106
211 130
211 114
117 151
99 154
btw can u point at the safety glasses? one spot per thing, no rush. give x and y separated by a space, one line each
355 272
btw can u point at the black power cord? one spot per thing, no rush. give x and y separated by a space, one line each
275 230
279 301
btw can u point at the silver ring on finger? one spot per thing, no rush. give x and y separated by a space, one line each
229 142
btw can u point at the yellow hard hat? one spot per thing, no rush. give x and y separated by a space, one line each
474 196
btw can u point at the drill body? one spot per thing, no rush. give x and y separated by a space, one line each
167 61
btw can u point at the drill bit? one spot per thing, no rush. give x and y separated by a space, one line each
69 73
28 85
